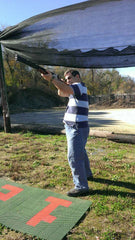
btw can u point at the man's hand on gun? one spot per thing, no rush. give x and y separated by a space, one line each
47 76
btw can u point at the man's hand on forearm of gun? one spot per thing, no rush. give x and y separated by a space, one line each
47 76
64 90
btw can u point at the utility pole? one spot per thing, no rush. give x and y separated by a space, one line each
92 70
6 115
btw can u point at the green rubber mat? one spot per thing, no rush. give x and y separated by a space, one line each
39 212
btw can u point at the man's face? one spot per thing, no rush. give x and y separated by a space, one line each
70 79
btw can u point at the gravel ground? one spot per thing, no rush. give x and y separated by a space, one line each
113 120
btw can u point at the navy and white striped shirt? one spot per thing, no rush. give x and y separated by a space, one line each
77 108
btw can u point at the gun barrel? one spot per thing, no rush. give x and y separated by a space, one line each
31 64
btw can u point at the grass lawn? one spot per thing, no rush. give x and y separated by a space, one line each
41 161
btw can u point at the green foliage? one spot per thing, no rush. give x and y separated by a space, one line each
103 82
98 81
1 229
111 235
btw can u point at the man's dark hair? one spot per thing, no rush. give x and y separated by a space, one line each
73 72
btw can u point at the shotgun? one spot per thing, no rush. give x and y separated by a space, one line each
31 64
34 65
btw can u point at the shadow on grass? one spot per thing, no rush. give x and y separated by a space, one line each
77 224
113 192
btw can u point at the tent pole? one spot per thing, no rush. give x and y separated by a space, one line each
6 115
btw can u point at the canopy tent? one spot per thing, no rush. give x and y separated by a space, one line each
91 34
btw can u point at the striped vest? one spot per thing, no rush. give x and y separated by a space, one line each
77 108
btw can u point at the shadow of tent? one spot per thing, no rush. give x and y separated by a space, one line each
113 192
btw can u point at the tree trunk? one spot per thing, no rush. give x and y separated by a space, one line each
122 138
100 134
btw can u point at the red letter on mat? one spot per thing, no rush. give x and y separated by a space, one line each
44 214
13 191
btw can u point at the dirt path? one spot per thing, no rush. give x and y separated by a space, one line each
114 120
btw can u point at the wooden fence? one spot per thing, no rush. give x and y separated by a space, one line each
125 98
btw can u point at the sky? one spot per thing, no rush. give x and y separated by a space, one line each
13 12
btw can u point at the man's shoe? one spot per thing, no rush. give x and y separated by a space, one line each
78 192
90 178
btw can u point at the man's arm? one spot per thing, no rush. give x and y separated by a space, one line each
64 90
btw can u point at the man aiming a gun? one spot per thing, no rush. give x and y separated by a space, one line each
76 126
